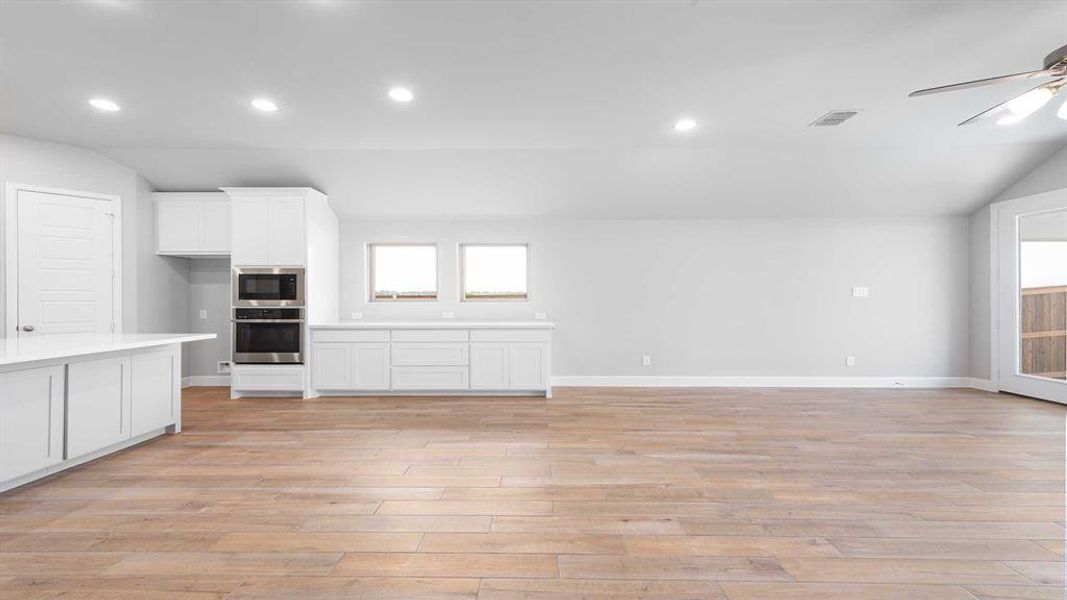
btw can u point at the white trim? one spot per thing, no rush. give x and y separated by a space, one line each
206 381
11 191
768 382
73 462
986 385
673 382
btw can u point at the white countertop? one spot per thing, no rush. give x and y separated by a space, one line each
50 347
436 325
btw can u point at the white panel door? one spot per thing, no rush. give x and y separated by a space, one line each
152 391
489 366
332 366
370 366
214 226
249 231
65 251
176 226
98 404
287 240
527 366
1031 276
31 421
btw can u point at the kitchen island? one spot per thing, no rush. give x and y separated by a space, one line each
67 399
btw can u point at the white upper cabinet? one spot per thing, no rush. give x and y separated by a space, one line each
192 224
269 226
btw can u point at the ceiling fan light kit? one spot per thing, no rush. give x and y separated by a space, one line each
1023 105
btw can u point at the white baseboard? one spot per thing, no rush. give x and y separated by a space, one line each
205 380
717 381
768 382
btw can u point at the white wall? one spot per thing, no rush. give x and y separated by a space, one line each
719 297
155 290
1049 175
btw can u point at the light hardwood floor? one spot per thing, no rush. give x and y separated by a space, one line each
597 494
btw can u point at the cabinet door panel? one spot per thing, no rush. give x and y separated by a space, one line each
430 378
286 233
249 231
214 222
176 226
528 366
31 421
332 366
152 395
429 354
370 366
489 366
98 404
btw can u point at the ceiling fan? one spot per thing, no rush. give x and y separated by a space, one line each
1026 103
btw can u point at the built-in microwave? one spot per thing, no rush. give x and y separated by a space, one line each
268 286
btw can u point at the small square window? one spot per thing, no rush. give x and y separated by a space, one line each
402 272
494 272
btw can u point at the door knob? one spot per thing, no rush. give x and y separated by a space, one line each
27 327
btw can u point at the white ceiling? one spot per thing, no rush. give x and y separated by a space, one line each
543 108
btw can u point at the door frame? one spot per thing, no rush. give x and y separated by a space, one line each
11 226
996 334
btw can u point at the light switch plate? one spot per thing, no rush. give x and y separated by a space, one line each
539 316
860 292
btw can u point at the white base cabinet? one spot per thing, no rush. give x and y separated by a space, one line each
31 421
504 366
448 360
57 415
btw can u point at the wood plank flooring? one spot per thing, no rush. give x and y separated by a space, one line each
595 494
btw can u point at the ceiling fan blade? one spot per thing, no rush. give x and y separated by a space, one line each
989 81
1055 86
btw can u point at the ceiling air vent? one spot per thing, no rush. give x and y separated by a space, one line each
834 118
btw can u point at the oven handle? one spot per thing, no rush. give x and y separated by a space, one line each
266 320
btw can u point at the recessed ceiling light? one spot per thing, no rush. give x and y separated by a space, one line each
685 124
264 104
401 94
105 105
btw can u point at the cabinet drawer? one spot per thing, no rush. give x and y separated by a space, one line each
281 378
351 335
429 354
430 378
430 335
511 335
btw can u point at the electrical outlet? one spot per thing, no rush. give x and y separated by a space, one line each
646 360
539 316
356 315
860 292
224 366
203 313
448 315
850 361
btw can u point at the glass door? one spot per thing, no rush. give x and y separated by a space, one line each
1032 296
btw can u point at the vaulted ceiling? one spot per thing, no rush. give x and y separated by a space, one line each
534 109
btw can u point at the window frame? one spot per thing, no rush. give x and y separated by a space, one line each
461 258
370 251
